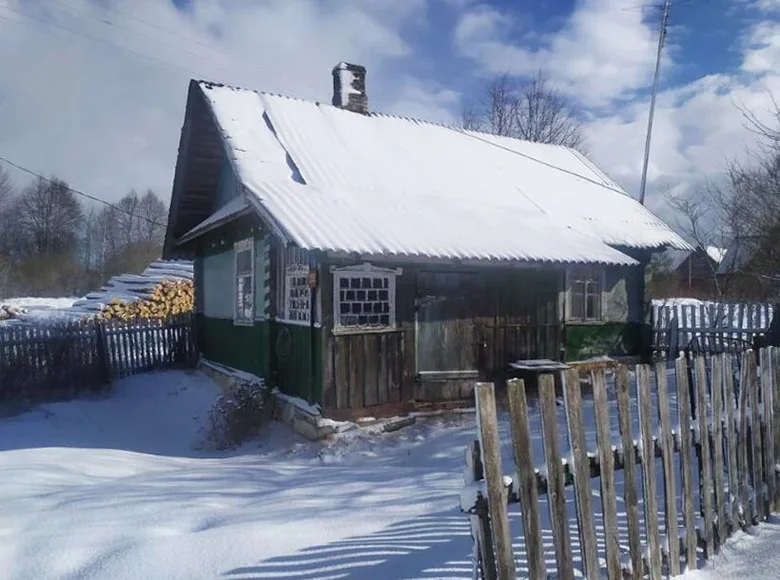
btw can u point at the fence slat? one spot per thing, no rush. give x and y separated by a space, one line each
527 491
730 404
742 443
757 460
490 446
629 471
717 442
480 524
776 418
648 472
670 487
705 465
581 468
684 410
555 478
607 475
766 429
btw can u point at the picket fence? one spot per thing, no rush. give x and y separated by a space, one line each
724 452
711 327
60 360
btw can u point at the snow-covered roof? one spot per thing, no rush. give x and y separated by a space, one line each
233 208
716 254
375 184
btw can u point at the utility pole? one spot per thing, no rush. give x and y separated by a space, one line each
661 38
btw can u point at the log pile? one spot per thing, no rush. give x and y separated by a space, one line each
164 289
168 298
8 312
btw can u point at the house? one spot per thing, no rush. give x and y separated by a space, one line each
370 263
749 269
694 272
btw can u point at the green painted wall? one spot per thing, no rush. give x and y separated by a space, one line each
218 287
589 340
297 373
243 347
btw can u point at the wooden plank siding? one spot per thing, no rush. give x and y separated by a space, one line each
502 315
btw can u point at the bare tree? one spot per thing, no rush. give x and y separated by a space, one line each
697 221
50 215
534 111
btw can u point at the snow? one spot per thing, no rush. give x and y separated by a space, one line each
380 185
123 487
747 556
716 254
42 304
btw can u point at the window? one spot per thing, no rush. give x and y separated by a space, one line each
364 297
585 294
298 303
245 302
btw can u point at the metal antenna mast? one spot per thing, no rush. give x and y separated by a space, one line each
661 38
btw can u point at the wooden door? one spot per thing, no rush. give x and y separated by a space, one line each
446 335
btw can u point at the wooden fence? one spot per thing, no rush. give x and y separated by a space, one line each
711 327
52 361
697 480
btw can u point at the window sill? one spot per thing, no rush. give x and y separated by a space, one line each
346 331
585 322
243 322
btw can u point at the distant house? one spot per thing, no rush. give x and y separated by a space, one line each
371 263
695 272
749 268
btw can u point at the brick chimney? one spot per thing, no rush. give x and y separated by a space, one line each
349 87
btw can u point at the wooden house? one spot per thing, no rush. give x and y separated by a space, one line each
372 263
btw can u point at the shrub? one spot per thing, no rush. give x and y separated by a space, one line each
236 418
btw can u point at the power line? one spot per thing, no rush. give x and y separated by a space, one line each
100 40
476 135
81 193
138 34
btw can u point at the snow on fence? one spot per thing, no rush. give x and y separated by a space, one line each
707 327
57 360
691 464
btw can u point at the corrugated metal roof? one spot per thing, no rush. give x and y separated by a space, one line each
233 208
377 184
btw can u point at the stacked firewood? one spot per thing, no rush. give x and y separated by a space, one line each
8 312
168 298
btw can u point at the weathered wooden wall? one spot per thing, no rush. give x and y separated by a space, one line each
499 315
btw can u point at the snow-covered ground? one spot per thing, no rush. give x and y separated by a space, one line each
118 488
746 556
123 487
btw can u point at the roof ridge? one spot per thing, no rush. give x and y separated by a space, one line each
210 84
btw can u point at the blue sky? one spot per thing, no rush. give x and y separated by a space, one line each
94 90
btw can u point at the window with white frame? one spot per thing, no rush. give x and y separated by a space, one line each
364 297
297 306
245 276
585 294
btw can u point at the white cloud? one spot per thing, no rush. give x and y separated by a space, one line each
106 119
602 53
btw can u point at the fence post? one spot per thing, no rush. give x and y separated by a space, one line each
648 471
484 568
674 337
579 453
555 478
629 467
670 487
607 469
527 491
705 467
766 431
494 478
684 410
